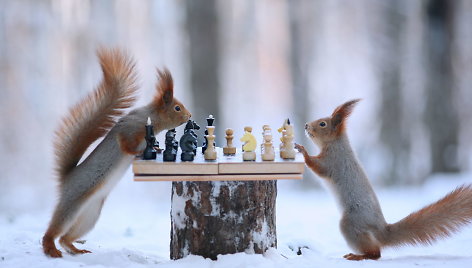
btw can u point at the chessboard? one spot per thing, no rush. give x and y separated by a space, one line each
224 168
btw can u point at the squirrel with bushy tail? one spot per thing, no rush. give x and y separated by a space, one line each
84 186
362 223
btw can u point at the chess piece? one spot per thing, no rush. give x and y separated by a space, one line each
210 119
149 152
175 143
170 153
281 131
210 152
204 145
188 142
267 149
249 145
156 147
287 148
194 126
265 130
229 149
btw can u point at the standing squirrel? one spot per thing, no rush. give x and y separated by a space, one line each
362 224
84 187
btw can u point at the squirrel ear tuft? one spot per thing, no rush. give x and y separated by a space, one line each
342 112
164 87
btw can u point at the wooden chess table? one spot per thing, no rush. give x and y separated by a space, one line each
225 168
223 206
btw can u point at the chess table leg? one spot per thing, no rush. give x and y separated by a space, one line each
222 217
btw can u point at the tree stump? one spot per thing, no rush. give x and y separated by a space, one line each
222 217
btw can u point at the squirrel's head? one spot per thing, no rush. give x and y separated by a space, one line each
171 112
325 130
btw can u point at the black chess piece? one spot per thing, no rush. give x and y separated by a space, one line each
170 153
194 126
188 141
175 142
149 152
205 141
156 146
210 119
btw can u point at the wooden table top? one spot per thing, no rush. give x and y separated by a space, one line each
223 169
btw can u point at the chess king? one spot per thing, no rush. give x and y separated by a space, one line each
83 187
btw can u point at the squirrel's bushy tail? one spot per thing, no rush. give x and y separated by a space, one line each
438 220
92 117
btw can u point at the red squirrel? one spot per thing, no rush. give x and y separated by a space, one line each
362 224
83 187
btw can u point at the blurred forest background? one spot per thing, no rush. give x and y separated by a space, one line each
249 63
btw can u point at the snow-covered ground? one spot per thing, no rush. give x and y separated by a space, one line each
134 231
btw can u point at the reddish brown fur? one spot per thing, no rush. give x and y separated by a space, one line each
130 143
438 220
165 88
311 160
91 118
340 114
49 247
363 225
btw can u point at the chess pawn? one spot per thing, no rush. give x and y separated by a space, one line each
210 152
249 146
229 149
268 153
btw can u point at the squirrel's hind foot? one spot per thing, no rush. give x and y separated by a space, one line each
71 248
360 257
50 249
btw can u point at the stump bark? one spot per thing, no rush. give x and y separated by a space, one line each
222 217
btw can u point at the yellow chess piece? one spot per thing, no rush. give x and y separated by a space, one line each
250 145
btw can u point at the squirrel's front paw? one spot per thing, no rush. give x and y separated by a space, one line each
300 148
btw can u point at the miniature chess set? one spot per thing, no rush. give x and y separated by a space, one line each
211 163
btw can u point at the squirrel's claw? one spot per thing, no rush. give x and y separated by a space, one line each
53 253
300 148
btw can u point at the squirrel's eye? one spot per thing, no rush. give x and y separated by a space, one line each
177 108
322 124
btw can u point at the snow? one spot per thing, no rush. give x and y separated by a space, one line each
134 231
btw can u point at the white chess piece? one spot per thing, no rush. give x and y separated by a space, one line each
268 153
288 151
210 152
229 149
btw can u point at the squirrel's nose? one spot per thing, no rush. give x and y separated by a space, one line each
306 126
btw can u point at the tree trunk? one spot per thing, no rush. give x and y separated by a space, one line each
222 217
441 113
304 18
393 131
202 27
